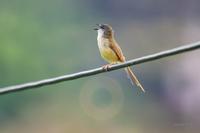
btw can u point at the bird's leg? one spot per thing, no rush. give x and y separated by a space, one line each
107 66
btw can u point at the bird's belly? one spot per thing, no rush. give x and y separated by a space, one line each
108 54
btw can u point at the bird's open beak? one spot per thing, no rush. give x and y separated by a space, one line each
98 27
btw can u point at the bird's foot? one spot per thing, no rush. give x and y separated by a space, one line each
106 67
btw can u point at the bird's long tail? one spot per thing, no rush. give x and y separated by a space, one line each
133 78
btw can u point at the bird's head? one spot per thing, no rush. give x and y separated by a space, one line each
104 29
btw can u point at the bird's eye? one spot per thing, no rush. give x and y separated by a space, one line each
102 27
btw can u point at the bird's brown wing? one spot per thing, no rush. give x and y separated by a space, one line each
115 47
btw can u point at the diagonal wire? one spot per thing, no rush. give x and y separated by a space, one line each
95 71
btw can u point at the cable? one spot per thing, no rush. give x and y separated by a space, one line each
95 71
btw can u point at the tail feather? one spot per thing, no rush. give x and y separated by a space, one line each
134 78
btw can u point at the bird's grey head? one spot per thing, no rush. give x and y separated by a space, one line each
104 30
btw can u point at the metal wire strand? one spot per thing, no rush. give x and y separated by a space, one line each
152 57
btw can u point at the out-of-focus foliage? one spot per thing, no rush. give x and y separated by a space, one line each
46 38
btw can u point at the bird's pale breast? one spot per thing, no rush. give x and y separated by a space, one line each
106 52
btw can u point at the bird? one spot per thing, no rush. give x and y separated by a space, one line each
111 52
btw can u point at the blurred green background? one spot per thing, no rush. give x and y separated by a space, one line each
40 39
